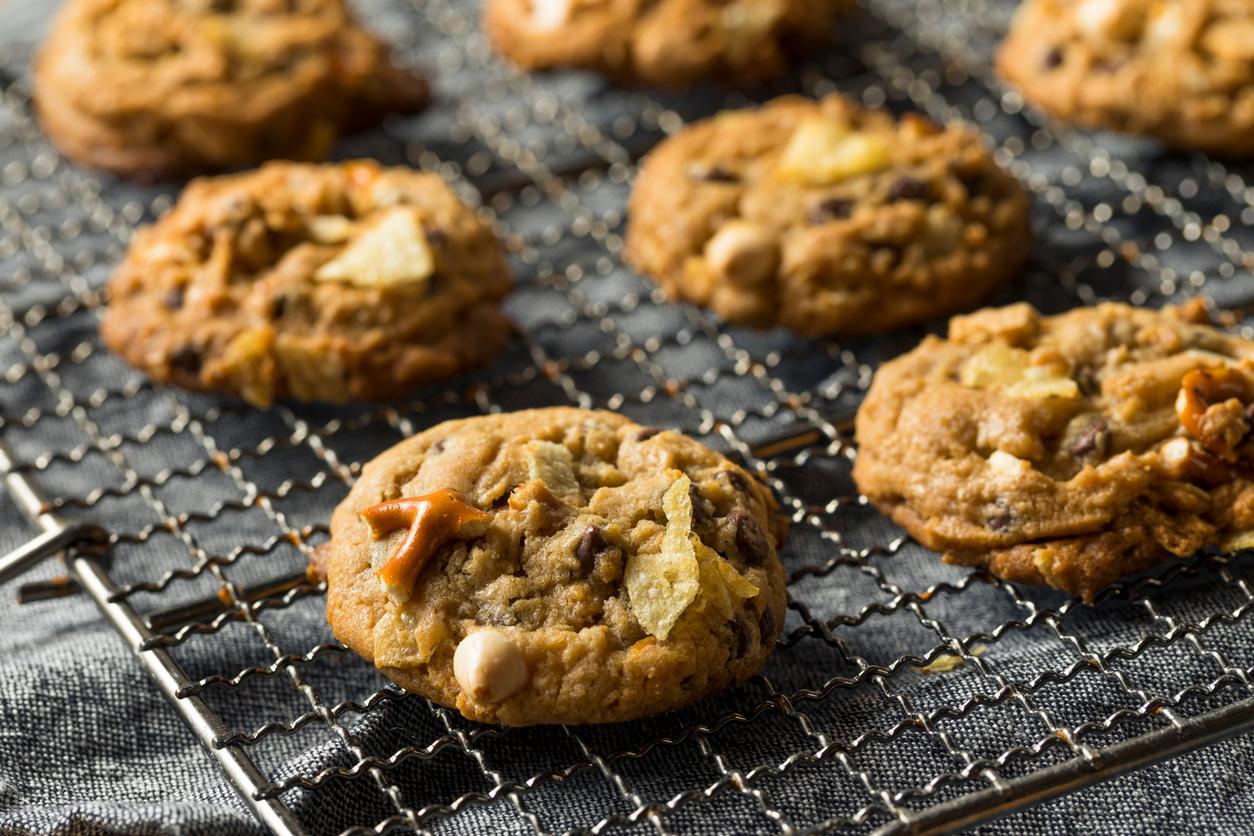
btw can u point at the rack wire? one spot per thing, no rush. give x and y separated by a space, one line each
904 696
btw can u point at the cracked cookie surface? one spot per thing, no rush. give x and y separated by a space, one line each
826 218
152 89
671 43
1068 450
1178 70
605 571
315 282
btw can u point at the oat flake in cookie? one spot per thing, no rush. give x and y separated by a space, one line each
671 43
826 218
315 282
150 89
556 566
1178 70
1067 450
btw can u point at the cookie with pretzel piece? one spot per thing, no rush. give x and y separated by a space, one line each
556 566
1066 450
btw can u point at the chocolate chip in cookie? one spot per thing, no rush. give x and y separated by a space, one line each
634 593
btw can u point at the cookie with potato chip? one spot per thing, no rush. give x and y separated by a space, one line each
1181 71
160 89
669 43
1066 450
556 566
313 282
824 217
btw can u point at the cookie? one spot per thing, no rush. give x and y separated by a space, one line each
1178 70
826 218
1068 450
556 566
670 43
153 89
315 282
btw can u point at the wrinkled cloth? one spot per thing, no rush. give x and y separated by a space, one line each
89 745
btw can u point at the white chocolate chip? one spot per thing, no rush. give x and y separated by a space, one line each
1007 465
743 253
1175 455
394 250
331 229
489 666
547 15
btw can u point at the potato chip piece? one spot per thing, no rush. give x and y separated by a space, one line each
661 586
1241 540
746 22
823 151
399 642
394 250
993 365
1011 370
722 587
554 465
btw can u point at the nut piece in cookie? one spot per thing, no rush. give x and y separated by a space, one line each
671 43
556 566
1181 71
314 282
824 217
153 89
1068 450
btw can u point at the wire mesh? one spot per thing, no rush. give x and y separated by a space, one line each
900 685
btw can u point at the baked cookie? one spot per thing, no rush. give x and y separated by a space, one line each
1178 70
825 217
1068 450
150 89
671 43
556 566
316 282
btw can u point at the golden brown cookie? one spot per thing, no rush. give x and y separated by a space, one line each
670 43
316 282
151 89
556 566
1178 70
1067 450
826 218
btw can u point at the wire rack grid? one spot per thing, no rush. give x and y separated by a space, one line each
904 696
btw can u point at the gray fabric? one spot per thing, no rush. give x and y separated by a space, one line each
88 745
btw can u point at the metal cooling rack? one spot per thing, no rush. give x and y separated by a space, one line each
905 695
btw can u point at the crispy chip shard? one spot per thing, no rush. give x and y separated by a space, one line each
1241 540
722 587
661 586
393 250
1010 370
554 465
746 22
398 644
823 151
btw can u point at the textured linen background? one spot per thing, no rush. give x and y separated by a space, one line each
88 745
